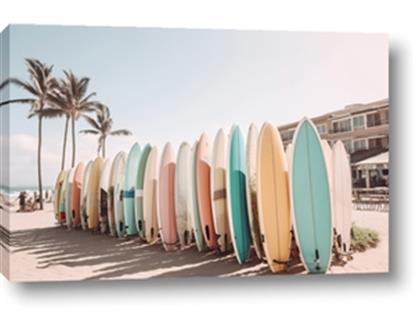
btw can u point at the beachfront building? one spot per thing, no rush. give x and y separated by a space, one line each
364 130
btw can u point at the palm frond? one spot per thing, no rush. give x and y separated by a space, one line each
92 122
57 99
96 105
32 114
85 99
82 87
52 113
89 131
25 85
18 101
121 132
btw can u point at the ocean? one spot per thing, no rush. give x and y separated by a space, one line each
13 192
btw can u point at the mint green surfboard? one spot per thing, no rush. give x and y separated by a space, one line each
311 199
129 189
138 201
237 204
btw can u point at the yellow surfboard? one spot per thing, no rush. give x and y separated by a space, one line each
273 198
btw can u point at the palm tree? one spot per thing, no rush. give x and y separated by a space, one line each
40 85
72 100
102 126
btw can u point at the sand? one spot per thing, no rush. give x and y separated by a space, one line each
40 250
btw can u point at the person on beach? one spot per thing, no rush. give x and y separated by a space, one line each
36 200
22 201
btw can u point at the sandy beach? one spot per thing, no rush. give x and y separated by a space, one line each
40 250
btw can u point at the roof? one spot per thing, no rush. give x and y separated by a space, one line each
346 111
381 158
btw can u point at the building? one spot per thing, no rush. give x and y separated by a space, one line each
364 130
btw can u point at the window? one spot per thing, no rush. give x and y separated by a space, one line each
287 135
322 129
359 145
342 126
375 143
348 145
359 121
373 119
387 116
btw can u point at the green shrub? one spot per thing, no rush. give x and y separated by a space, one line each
364 238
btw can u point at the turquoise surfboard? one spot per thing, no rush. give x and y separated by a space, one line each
139 218
129 189
311 199
237 204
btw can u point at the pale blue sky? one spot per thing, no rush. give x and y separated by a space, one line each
173 84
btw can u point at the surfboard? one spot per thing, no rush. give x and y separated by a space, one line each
182 194
56 193
251 190
68 198
237 205
129 189
92 201
84 190
62 199
119 178
166 206
342 197
138 207
204 192
289 156
76 194
151 229
194 211
219 193
311 199
103 196
273 198
328 157
110 199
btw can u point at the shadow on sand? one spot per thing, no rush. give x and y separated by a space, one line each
96 256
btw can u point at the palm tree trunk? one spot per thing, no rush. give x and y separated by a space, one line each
65 139
39 163
73 141
103 148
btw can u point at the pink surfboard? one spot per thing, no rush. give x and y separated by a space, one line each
166 200
203 173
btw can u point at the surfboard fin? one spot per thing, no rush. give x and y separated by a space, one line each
281 262
207 232
317 260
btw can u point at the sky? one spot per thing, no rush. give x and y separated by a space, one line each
170 85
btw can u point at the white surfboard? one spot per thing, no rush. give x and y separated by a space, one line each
119 171
328 156
103 196
342 196
194 211
68 198
182 196
84 191
150 197
219 192
251 190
